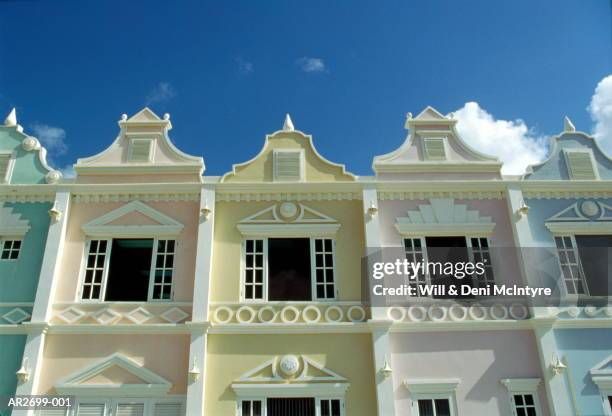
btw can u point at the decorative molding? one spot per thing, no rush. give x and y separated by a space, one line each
440 313
286 196
579 227
166 226
11 223
431 386
443 217
288 230
423 195
601 374
588 210
521 385
16 316
110 197
153 384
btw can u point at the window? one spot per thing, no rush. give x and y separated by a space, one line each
435 252
123 407
129 269
580 165
141 150
585 265
288 269
10 249
435 148
285 406
434 407
6 167
524 405
288 165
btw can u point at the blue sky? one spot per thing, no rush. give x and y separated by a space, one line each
346 71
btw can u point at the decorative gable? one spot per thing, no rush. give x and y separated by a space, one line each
288 155
288 219
601 374
434 146
290 374
114 375
11 223
574 155
142 147
444 217
133 219
590 216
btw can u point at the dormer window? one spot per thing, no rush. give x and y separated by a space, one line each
140 151
580 165
288 165
6 164
434 148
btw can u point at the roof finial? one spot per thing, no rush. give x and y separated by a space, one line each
288 126
11 119
568 126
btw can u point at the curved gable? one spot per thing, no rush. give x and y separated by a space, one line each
143 148
22 158
588 162
314 167
434 146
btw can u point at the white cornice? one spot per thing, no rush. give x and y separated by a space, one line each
288 230
521 385
580 227
432 386
434 167
290 389
473 229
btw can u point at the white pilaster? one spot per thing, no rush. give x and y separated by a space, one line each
382 355
47 282
199 325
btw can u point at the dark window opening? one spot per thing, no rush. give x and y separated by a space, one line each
129 270
434 407
289 277
291 406
447 250
594 257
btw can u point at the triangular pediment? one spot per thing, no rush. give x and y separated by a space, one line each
11 223
430 113
603 367
290 368
146 114
111 374
288 213
588 210
134 218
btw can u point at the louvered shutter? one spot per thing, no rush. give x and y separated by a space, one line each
580 165
140 150
434 148
130 409
90 409
287 165
51 412
4 165
168 409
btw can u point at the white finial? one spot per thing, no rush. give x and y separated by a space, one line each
568 125
288 126
11 119
166 116
123 117
409 115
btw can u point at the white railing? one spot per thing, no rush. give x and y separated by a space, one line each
114 313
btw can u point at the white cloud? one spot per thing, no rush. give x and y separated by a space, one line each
68 172
244 67
52 138
162 92
511 141
307 64
601 113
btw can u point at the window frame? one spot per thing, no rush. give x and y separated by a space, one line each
6 178
152 146
154 268
313 283
263 399
109 244
523 386
468 245
12 240
111 403
574 249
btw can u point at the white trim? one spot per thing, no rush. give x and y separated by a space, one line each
290 389
589 152
150 156
432 386
12 155
521 385
288 230
301 167
433 230
99 227
580 227
153 384
11 223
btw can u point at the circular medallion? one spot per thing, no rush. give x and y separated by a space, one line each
589 208
288 209
289 365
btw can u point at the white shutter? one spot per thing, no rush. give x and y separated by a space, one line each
130 409
434 148
5 160
580 165
90 409
140 150
168 409
51 412
288 165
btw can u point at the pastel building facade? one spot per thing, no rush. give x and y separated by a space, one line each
151 289
26 196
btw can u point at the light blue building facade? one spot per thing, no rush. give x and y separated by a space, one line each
568 213
25 201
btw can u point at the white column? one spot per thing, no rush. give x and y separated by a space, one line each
382 355
199 318
373 241
47 282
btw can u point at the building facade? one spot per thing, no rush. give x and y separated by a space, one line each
149 288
